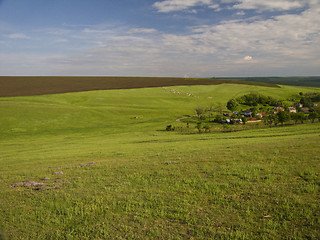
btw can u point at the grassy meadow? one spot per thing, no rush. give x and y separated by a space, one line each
99 165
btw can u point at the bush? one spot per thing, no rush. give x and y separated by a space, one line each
169 128
207 127
283 117
232 104
218 118
199 126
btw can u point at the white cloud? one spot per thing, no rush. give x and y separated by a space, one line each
178 5
248 58
271 5
240 13
142 30
215 6
17 36
166 6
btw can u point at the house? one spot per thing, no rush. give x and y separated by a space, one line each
232 121
236 121
292 110
278 109
314 104
260 115
228 121
247 113
299 105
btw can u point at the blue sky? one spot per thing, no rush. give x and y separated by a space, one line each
196 38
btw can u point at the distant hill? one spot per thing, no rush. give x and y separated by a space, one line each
293 81
28 86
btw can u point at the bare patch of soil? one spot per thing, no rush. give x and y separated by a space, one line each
46 183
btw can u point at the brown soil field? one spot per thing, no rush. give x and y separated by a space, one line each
11 86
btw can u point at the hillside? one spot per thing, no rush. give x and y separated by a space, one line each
110 110
29 86
99 165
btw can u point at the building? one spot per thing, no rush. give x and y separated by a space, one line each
292 110
278 109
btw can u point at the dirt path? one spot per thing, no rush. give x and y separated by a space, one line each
255 121
179 119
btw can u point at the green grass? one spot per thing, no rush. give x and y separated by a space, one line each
147 183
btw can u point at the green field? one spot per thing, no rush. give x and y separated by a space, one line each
146 183
12 86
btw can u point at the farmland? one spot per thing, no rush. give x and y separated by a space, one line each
29 86
99 164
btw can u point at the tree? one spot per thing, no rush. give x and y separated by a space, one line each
269 119
253 99
199 126
244 120
254 111
295 117
313 115
317 110
232 104
301 116
219 108
199 111
275 119
207 127
283 117
210 110
218 118
305 101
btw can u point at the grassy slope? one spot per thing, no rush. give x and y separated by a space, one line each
147 183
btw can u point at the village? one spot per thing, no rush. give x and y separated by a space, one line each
252 116
258 110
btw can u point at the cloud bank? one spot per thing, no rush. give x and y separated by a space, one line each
177 5
282 44
262 5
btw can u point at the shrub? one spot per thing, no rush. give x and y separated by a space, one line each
232 104
169 128
207 127
199 126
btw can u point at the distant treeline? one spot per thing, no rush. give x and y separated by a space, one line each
293 81
254 99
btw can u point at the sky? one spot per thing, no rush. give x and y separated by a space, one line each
173 38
